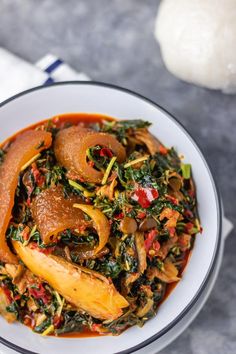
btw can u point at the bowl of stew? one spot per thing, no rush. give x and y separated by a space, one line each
110 220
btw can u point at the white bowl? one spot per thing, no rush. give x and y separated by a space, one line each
43 102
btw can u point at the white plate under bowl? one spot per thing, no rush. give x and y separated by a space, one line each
43 102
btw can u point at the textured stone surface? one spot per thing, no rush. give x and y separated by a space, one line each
112 41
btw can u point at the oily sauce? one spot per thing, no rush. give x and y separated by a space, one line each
85 334
59 120
87 119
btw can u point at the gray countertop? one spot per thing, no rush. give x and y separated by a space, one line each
112 41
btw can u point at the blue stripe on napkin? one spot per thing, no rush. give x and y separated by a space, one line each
49 81
53 66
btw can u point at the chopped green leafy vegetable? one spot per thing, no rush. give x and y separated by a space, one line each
146 202
186 170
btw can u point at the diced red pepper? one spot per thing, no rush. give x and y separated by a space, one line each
163 150
7 292
40 293
106 152
145 196
142 199
156 246
119 216
149 239
38 177
172 199
96 327
25 233
141 215
188 227
48 250
171 231
155 193
191 193
17 297
57 321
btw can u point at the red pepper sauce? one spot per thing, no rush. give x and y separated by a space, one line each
88 118
60 119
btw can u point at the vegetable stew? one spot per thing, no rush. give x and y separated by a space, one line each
98 219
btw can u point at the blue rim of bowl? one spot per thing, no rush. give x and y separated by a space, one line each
217 196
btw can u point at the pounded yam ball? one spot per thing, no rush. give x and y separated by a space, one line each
198 41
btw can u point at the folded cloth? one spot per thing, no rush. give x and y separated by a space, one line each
58 70
17 75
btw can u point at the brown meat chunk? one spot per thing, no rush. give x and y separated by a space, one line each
53 213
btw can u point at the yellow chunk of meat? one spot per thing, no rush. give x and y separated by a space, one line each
71 145
53 213
86 289
23 149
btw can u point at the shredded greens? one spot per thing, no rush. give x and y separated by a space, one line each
149 201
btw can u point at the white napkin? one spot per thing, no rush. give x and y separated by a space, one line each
17 75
